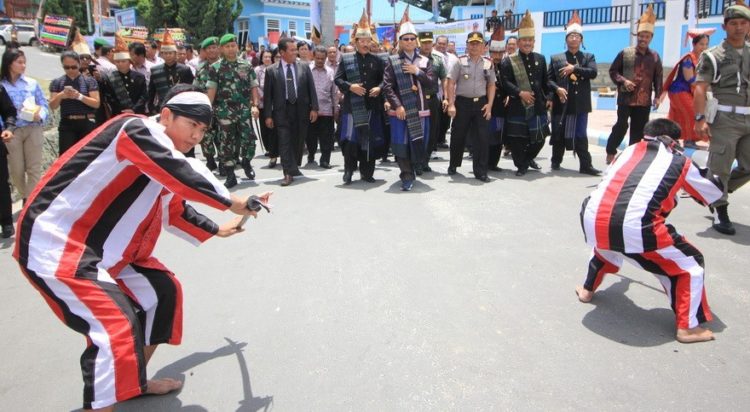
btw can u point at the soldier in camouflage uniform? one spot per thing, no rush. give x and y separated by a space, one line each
210 140
233 89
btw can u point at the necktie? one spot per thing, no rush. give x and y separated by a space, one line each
291 93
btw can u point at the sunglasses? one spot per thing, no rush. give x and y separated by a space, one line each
70 67
408 39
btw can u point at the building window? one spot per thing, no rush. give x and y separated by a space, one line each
272 26
243 31
308 30
292 28
476 16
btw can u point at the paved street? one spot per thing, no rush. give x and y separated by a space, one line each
456 296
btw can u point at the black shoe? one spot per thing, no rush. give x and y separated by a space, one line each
296 173
496 169
533 164
347 178
231 179
520 172
385 160
249 172
8 231
483 178
222 170
427 168
418 170
590 171
556 166
324 165
451 171
722 224
443 146
211 163
368 179
272 163
310 159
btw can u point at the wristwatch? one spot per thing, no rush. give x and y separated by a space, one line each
700 117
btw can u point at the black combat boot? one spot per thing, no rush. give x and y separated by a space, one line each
231 178
722 224
210 163
249 172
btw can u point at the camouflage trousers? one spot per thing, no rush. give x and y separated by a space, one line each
210 140
236 140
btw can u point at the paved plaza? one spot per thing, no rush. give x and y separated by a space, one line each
456 296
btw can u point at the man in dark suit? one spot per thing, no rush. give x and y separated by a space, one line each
165 75
124 90
290 104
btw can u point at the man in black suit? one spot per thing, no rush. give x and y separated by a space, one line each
165 75
124 90
290 104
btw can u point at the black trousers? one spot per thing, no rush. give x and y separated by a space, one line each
71 131
435 106
270 141
523 152
292 134
469 121
495 148
6 202
638 116
321 132
445 123
581 149
354 157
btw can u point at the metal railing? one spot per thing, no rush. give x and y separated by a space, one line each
600 15
708 8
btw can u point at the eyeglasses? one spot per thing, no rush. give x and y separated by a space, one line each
70 67
408 39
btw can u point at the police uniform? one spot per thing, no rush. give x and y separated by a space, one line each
472 78
729 77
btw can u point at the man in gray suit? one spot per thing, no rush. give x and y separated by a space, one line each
289 105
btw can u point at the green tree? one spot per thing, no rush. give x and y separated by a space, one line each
76 10
163 14
219 18
190 15
142 7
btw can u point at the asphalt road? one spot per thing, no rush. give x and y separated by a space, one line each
456 296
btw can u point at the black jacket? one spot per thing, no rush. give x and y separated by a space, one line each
579 91
137 92
536 69
371 70
9 114
274 92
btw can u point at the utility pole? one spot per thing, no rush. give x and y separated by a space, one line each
634 15
327 21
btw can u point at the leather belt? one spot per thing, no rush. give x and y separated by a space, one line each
734 109
428 97
80 117
473 99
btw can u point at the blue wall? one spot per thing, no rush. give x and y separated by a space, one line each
605 44
555 5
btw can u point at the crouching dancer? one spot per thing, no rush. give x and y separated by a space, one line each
86 235
624 219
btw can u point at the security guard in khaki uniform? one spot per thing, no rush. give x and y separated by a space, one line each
470 105
726 68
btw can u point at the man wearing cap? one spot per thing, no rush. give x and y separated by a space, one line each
437 102
526 82
87 233
408 84
360 78
726 68
209 51
166 74
124 90
233 89
471 92
497 122
637 71
570 75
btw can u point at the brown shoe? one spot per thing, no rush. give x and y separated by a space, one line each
288 179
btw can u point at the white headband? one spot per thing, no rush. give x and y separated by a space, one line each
190 98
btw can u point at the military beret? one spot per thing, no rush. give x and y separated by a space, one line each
425 36
210 41
475 36
227 38
101 42
738 11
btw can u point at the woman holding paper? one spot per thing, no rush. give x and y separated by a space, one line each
25 148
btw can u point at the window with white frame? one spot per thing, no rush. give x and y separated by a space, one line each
308 30
273 26
292 28
243 29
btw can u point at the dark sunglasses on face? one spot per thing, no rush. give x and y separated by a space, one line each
70 67
409 38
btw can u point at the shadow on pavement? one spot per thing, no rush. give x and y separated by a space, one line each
178 369
619 319
358 184
419 187
742 237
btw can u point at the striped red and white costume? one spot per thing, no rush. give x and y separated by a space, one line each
85 240
624 219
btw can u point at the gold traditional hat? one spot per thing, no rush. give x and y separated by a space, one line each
121 49
80 45
315 36
526 28
497 40
648 20
574 25
362 29
406 26
167 42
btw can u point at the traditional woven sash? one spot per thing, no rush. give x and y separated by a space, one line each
408 99
522 78
359 111
160 79
628 66
120 91
562 61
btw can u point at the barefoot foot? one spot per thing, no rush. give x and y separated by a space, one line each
584 295
693 335
162 386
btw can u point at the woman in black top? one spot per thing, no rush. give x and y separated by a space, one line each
78 98
8 114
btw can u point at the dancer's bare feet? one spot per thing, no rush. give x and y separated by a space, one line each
693 335
584 295
162 386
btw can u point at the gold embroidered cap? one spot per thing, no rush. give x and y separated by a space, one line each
648 20
362 29
121 48
167 42
526 28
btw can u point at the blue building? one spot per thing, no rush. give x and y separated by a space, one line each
260 17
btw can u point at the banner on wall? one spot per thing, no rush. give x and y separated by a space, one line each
178 35
56 30
456 31
126 18
107 26
133 34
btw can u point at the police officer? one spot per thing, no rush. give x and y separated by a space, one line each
726 68
233 89
210 49
470 105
